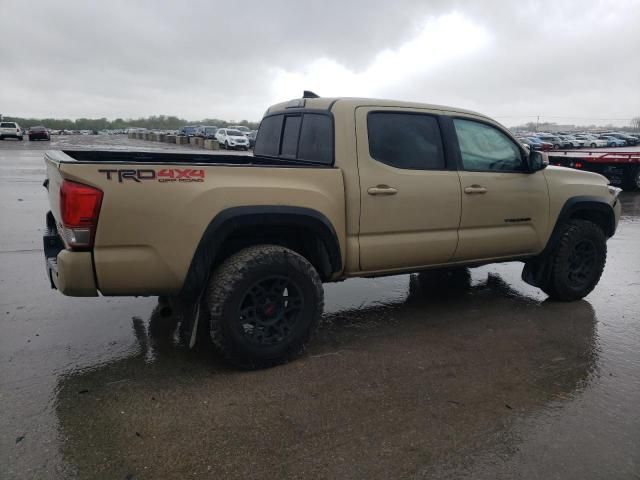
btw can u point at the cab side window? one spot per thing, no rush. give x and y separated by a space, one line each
405 140
485 148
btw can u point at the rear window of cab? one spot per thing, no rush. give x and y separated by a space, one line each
302 136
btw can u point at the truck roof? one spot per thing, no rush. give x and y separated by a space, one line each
329 103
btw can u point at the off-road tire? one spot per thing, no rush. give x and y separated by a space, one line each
229 287
561 283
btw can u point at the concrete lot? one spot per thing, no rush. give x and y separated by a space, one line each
483 379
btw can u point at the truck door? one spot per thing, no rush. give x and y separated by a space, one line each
410 193
505 209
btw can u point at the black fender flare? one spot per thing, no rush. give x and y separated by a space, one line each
587 204
227 221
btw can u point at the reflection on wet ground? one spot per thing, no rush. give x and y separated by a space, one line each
473 376
384 388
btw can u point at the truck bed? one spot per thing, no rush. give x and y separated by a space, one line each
157 206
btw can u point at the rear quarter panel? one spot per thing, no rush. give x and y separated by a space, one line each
148 231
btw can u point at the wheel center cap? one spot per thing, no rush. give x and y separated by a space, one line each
269 309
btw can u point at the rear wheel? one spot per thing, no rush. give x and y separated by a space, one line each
264 303
577 261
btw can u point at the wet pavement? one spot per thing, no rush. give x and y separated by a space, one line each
482 378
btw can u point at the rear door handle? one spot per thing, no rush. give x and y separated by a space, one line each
382 190
475 189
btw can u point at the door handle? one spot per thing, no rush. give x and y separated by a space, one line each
382 190
475 189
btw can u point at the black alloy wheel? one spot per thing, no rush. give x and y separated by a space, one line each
269 311
582 261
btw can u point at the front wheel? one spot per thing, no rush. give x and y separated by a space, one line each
593 145
264 303
577 261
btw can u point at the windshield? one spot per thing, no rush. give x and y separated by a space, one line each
234 133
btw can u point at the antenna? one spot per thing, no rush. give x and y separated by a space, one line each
309 94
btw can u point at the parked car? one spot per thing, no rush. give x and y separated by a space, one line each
575 142
38 133
205 131
231 138
10 130
592 141
566 142
540 145
630 140
613 141
552 139
188 131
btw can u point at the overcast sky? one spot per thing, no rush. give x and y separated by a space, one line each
568 61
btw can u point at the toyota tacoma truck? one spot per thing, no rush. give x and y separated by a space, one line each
336 188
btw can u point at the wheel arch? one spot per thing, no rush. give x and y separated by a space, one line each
593 209
238 227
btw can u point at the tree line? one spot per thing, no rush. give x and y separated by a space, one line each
160 122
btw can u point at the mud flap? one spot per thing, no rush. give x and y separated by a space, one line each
189 314
535 272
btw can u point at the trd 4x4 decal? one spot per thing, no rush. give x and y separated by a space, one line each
163 175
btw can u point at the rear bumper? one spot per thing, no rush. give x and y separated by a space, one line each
68 271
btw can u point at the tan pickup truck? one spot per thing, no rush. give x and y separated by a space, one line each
336 188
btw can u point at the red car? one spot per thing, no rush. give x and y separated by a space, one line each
38 133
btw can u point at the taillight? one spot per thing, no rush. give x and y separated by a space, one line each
79 209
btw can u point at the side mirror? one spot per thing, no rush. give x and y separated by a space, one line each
537 161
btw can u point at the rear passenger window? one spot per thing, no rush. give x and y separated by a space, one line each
316 144
405 140
290 136
268 139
